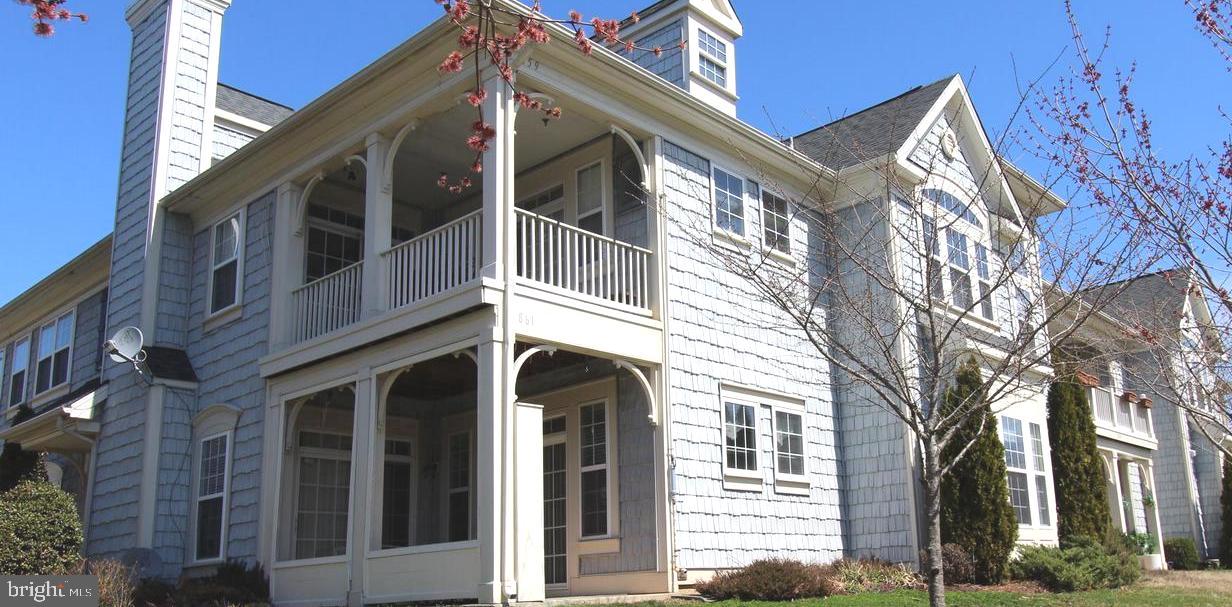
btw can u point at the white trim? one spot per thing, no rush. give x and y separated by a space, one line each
197 498
607 466
243 122
25 378
742 238
241 217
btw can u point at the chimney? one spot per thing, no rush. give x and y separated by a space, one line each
707 66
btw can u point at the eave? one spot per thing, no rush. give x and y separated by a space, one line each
85 273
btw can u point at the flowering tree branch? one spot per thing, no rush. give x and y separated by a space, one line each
47 12
482 43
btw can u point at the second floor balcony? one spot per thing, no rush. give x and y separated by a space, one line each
1121 416
375 235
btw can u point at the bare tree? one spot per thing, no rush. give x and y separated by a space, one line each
1174 208
890 279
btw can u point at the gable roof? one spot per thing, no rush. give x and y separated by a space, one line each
1151 299
252 107
873 132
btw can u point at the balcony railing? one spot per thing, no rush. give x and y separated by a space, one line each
1117 413
573 259
327 303
435 261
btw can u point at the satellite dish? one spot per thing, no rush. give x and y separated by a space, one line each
125 346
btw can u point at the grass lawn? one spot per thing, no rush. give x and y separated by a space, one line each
1187 588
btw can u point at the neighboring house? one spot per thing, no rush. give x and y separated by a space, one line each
1187 467
383 391
1106 362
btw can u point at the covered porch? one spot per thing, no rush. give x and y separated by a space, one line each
1132 504
409 481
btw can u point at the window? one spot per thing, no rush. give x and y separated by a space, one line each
775 222
925 367
1016 463
335 241
1041 480
1 374
555 551
712 58
460 487
225 263
1037 447
590 198
960 268
789 443
17 378
55 348
1041 500
549 203
728 202
211 495
952 204
936 282
593 445
396 494
324 490
740 432
985 287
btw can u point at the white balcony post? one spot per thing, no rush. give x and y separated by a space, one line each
378 218
362 454
288 264
491 362
1120 495
1157 530
656 224
498 111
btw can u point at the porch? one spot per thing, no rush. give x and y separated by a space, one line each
559 209
399 484
1131 494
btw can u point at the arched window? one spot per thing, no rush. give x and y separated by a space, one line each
952 204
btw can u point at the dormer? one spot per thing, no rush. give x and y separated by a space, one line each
706 67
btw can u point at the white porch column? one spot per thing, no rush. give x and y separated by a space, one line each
498 111
1154 517
1120 495
378 219
288 265
528 540
491 358
656 227
362 455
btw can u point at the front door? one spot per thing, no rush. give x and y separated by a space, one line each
555 573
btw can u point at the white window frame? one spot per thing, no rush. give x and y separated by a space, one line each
561 438
229 437
25 371
720 63
1024 471
3 372
741 236
771 237
468 489
412 438
786 482
329 227
1039 509
602 210
240 216
547 208
742 401
299 453
53 326
606 466
979 265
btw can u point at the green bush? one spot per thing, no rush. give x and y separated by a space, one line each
40 533
1181 553
17 464
1082 564
1141 543
1078 474
959 566
771 580
975 502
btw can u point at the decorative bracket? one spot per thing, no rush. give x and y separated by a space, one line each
301 207
521 360
387 177
653 414
637 151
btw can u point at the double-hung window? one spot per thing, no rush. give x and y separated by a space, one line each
593 442
590 198
740 436
936 282
960 269
728 202
460 487
712 58
17 378
335 241
983 273
55 348
323 490
213 466
788 443
776 223
1041 480
1016 467
226 253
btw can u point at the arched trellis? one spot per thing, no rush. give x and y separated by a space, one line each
387 175
636 372
637 152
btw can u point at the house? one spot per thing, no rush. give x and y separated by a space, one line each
382 390
1140 395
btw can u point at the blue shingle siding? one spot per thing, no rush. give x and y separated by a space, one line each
635 445
720 333
669 65
113 520
88 336
171 524
225 359
174 281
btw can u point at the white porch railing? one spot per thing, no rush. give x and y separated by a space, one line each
576 260
327 303
435 261
1118 413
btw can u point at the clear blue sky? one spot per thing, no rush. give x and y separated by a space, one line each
800 63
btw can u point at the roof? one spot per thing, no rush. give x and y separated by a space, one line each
250 106
873 132
169 363
1151 297
85 273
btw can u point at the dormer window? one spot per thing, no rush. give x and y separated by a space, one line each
712 58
